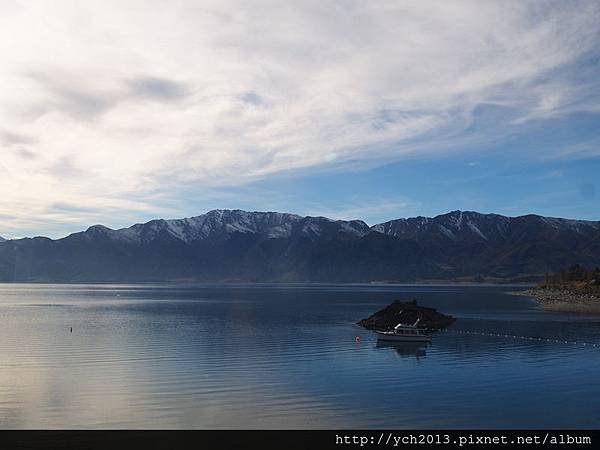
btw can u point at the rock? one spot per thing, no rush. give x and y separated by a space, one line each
406 313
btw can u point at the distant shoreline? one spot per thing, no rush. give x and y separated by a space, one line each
308 283
563 299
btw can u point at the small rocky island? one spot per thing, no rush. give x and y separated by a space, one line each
407 313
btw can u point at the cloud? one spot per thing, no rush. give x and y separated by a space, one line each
144 98
580 150
369 210
69 96
252 98
157 88
551 175
8 138
25 153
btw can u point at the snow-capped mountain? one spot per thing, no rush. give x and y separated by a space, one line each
220 224
466 242
469 225
270 246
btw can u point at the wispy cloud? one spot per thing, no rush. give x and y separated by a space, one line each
108 101
157 88
370 210
8 139
581 150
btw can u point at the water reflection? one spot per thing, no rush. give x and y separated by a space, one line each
405 349
286 356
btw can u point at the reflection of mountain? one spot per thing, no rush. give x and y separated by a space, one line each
405 349
265 246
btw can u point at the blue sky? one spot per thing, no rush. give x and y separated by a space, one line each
548 168
118 112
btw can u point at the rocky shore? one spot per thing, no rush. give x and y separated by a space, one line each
565 298
407 313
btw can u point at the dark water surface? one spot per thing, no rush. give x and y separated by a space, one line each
285 356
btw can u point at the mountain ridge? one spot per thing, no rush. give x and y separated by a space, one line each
376 227
237 245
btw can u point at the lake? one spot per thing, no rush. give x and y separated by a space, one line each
286 356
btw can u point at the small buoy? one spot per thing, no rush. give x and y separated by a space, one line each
71 329
357 339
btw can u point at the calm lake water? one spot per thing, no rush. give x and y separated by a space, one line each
285 356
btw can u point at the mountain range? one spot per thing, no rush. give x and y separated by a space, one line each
235 245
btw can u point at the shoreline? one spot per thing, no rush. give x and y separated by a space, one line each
561 299
184 282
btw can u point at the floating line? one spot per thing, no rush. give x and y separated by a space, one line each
527 338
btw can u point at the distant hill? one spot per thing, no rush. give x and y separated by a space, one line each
234 245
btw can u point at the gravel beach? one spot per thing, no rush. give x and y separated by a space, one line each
565 299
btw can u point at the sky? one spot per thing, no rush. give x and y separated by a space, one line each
118 112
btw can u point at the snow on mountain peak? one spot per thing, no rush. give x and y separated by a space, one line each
447 232
476 230
223 221
220 223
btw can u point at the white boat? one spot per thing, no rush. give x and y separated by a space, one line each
404 333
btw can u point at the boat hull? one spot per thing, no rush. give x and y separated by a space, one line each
402 338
